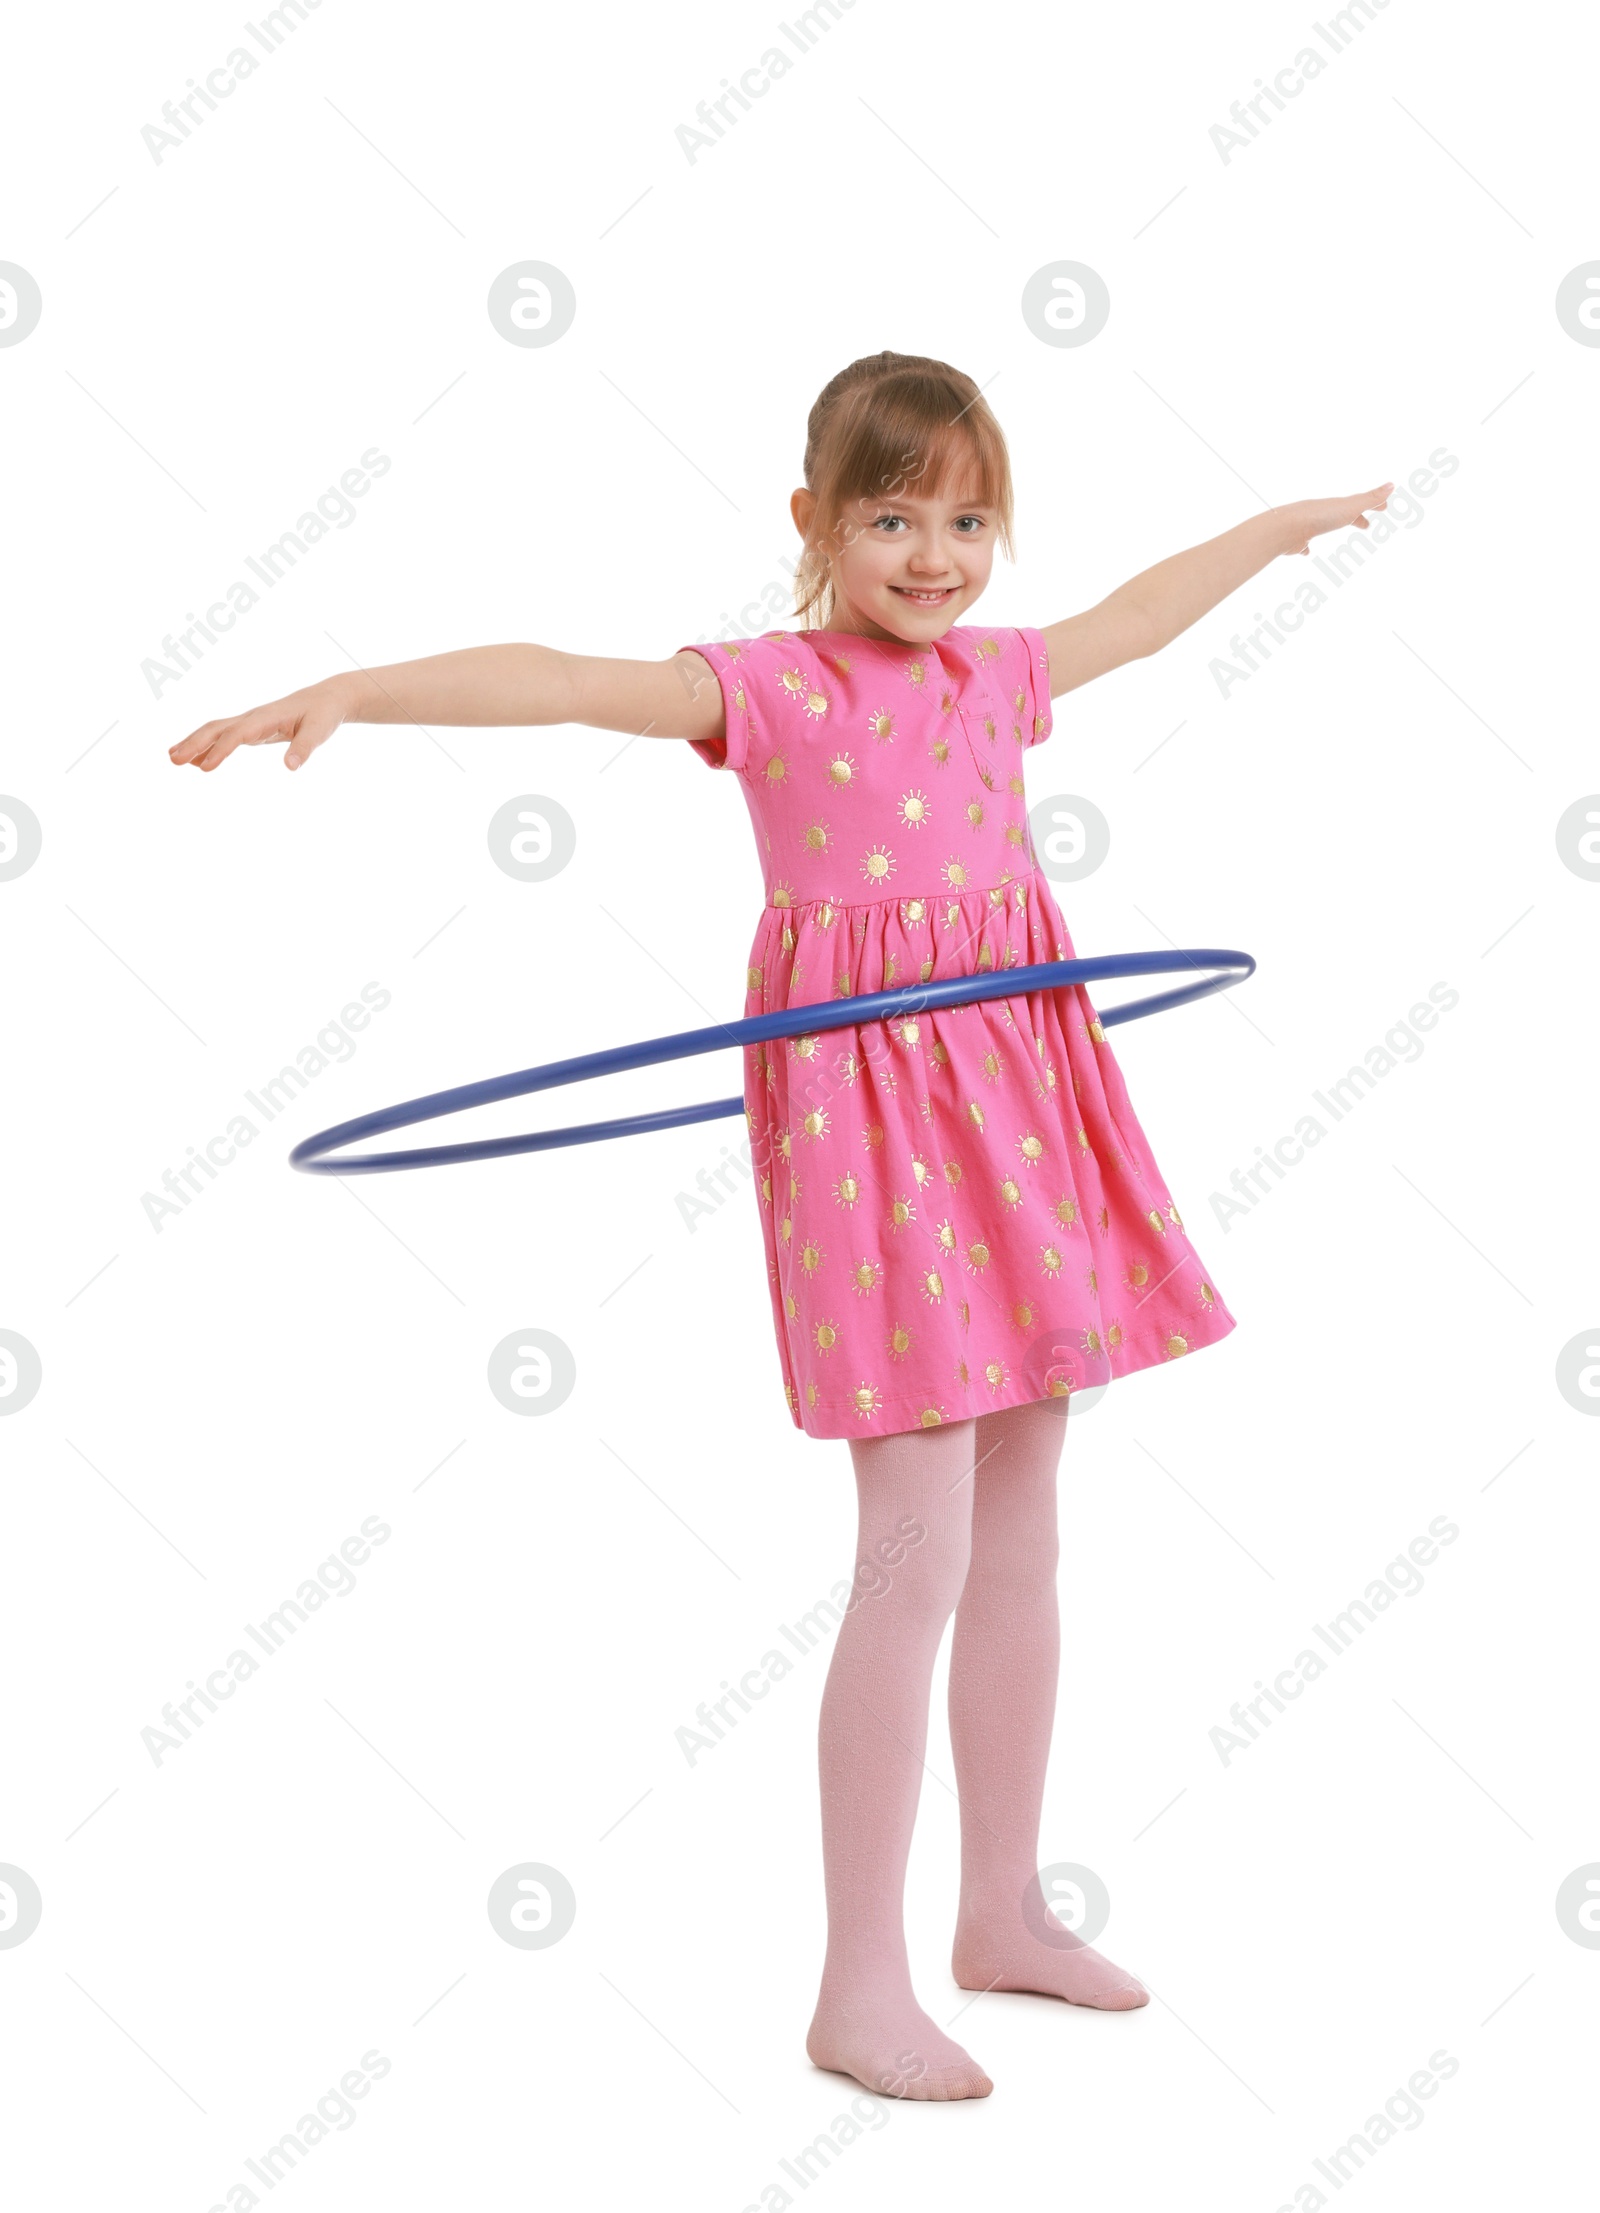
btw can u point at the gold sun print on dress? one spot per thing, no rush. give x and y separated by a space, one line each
877 864
897 1341
847 1190
914 809
814 837
881 725
867 1400
841 769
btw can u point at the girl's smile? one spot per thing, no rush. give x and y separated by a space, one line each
905 568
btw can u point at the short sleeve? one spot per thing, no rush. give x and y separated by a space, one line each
1037 684
732 749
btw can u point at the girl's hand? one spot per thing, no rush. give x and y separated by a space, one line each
1310 518
306 719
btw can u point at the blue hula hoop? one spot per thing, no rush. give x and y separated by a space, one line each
806 1021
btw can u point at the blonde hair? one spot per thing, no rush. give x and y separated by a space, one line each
887 421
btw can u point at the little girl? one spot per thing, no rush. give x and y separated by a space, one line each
963 1220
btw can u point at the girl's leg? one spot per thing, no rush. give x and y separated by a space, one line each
1004 1661
914 1492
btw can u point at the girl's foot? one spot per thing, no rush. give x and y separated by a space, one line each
1005 1954
893 2050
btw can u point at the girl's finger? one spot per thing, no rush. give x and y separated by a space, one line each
308 733
227 741
195 743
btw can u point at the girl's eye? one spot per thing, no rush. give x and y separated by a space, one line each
976 522
883 520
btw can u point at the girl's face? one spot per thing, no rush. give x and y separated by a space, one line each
905 568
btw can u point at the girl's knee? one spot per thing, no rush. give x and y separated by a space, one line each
919 1566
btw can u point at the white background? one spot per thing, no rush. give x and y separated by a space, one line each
225 1400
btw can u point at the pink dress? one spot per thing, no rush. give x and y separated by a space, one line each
960 1209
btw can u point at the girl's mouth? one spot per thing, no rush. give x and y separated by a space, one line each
924 599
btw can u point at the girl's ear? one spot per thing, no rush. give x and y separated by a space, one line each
802 506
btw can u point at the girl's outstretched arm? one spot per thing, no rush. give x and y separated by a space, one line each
1151 609
522 685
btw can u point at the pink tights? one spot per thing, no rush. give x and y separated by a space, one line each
960 1517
